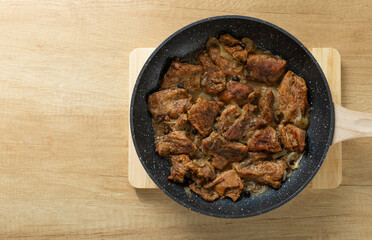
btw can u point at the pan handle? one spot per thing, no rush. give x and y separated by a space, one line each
351 124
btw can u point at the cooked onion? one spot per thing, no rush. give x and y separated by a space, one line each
291 157
224 53
293 160
296 163
212 42
199 162
289 173
279 154
284 175
256 189
244 163
301 122
249 44
188 192
253 95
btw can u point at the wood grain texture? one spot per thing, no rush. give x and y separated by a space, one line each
330 174
137 175
351 124
64 121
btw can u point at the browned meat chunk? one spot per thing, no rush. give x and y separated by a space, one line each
266 172
264 68
260 155
222 150
236 92
202 115
264 139
265 106
227 184
227 118
234 47
245 123
183 75
292 96
222 58
170 103
202 169
237 53
240 55
251 108
207 194
179 168
292 137
216 144
197 180
228 67
228 40
233 193
180 124
220 162
213 80
175 143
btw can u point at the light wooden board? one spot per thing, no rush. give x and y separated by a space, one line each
330 174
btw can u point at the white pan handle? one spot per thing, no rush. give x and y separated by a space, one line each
351 124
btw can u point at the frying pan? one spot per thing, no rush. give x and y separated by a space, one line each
192 38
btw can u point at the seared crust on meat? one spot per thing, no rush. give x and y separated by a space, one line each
267 172
175 143
246 122
264 69
223 59
292 137
202 115
236 92
207 194
228 117
292 97
179 168
264 139
183 75
213 80
170 103
227 184
224 152
265 106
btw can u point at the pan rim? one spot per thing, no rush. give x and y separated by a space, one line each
331 129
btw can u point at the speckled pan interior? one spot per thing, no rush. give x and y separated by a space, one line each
266 36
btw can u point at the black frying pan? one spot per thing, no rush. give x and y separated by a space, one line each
267 36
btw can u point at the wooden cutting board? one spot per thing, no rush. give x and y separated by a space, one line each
329 175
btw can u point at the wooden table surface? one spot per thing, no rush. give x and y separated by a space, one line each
63 121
